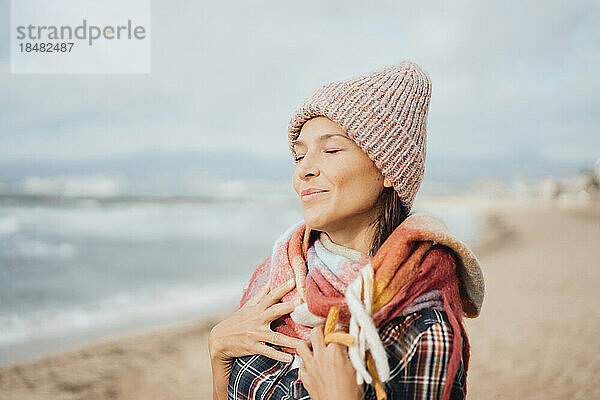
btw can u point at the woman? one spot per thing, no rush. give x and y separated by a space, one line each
360 299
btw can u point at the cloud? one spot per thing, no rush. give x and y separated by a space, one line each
508 77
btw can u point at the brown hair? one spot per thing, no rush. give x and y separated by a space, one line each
391 214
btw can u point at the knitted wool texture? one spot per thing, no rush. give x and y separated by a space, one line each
385 113
405 267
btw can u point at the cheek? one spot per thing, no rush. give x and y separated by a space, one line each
360 182
357 193
295 182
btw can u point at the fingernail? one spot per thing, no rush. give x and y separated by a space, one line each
289 358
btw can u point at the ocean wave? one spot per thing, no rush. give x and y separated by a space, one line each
121 312
38 249
8 225
86 185
142 222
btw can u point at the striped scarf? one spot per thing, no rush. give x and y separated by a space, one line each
368 292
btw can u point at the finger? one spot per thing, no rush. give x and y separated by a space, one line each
304 352
302 375
270 352
279 309
260 294
277 293
316 338
280 339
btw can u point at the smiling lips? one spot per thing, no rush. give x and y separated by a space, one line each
312 193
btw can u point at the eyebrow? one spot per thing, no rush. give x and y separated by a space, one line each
321 138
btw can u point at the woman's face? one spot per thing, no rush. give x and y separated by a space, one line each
348 182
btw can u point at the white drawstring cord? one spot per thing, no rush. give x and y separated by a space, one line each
363 329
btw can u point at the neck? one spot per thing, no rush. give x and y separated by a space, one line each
357 237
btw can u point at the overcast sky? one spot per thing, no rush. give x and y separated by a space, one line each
509 78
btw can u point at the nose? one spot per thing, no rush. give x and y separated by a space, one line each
308 166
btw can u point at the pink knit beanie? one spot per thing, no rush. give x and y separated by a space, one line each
385 113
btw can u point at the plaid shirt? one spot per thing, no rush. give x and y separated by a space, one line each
422 338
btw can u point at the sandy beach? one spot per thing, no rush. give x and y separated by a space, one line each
535 338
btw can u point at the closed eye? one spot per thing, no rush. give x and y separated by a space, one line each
297 159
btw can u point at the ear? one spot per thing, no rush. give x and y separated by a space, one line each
387 182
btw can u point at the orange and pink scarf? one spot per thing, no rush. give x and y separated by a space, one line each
421 264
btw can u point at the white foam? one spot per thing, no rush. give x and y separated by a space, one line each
140 221
38 249
8 225
121 312
73 185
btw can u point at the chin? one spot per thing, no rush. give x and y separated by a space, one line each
318 223
313 223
